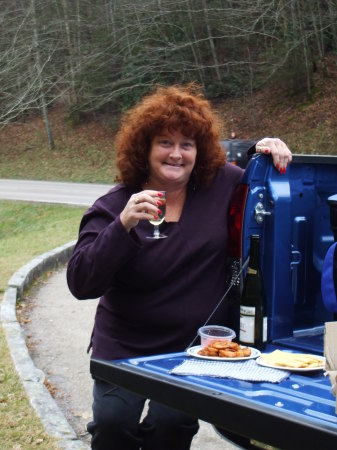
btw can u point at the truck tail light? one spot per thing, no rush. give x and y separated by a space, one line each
235 221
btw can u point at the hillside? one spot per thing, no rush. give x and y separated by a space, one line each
85 152
308 126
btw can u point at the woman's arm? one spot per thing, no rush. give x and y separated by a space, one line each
279 151
104 246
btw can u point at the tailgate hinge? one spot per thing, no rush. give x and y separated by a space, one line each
260 212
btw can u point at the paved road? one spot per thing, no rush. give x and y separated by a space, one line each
81 194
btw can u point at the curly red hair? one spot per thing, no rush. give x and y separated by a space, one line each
181 108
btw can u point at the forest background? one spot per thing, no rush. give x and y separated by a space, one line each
267 66
70 68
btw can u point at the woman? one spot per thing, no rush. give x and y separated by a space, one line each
154 294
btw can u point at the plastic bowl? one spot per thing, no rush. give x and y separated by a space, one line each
211 333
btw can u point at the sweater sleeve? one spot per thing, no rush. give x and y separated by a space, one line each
103 248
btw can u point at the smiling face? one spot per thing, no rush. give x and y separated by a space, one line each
171 159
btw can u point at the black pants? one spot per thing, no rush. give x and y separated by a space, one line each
116 417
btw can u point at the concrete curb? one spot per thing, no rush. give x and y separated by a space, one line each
33 378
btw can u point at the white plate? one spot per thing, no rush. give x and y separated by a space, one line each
264 363
193 351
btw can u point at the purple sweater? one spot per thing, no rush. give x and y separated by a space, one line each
154 294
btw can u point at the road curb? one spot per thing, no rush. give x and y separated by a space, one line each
32 378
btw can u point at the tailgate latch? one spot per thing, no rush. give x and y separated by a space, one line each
260 212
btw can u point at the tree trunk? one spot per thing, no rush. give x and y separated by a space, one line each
211 42
318 37
78 36
332 15
194 47
305 48
43 103
73 97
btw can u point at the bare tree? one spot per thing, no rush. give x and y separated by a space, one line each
102 55
70 51
39 75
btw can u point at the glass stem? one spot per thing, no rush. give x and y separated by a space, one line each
156 231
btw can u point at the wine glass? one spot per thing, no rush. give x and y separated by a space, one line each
156 221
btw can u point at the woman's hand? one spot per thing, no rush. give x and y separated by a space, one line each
141 206
278 149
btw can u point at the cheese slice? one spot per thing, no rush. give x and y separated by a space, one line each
294 360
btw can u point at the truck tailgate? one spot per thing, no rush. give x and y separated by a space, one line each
296 413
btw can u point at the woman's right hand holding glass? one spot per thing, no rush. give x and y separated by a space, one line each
144 205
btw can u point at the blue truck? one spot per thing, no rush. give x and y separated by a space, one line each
295 215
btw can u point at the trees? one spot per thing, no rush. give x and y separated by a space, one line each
102 55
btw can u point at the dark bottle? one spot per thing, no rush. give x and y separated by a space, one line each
253 305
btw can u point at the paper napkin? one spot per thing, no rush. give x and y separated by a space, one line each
240 370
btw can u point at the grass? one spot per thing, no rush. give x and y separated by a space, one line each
26 230
19 428
34 229
90 165
84 153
